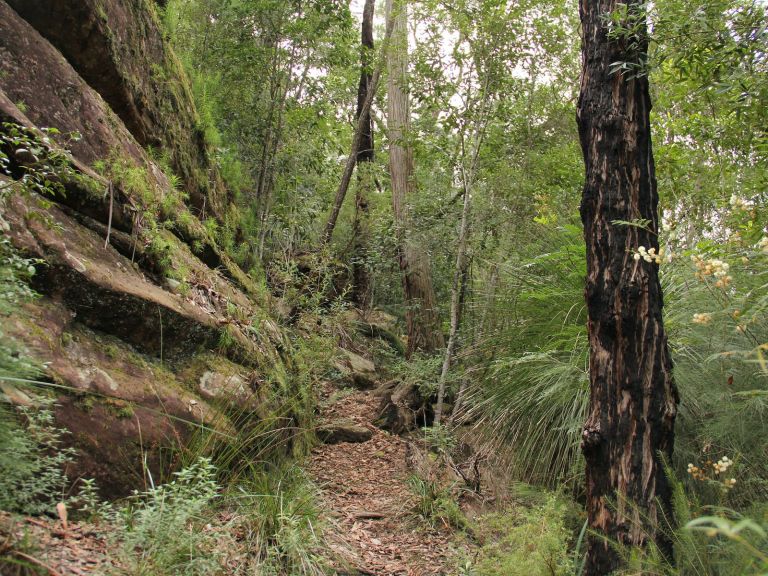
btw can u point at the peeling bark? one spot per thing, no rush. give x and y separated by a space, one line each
633 398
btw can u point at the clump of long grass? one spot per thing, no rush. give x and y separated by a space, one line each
531 384
278 513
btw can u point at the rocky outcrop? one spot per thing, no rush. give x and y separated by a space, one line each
117 47
47 91
402 407
376 324
105 290
146 330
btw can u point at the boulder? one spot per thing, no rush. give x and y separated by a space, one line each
376 324
343 430
402 408
356 370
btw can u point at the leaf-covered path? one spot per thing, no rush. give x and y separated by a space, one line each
364 487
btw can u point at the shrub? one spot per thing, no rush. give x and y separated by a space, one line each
32 461
525 542
163 531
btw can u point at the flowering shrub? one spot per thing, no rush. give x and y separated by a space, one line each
710 472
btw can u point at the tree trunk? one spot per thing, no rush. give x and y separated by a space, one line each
363 129
420 313
457 288
633 398
361 290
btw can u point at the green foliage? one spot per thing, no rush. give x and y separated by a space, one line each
271 122
283 424
435 503
524 541
32 458
422 371
163 531
31 158
312 283
32 461
715 335
747 534
15 273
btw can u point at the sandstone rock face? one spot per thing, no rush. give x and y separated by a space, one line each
118 401
144 344
117 47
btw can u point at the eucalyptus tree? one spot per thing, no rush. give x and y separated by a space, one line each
361 291
424 332
633 399
271 76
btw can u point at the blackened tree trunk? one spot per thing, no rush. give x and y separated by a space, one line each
363 127
420 310
361 292
633 399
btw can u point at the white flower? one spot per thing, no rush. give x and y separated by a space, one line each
739 203
702 318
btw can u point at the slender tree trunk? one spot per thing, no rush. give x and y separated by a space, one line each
420 312
456 291
458 288
462 299
361 291
363 129
633 399
275 81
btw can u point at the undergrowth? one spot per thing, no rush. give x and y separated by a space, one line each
524 541
436 503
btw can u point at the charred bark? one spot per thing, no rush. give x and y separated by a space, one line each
633 398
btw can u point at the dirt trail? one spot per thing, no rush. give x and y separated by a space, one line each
364 487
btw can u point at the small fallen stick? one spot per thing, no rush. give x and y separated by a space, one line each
37 562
